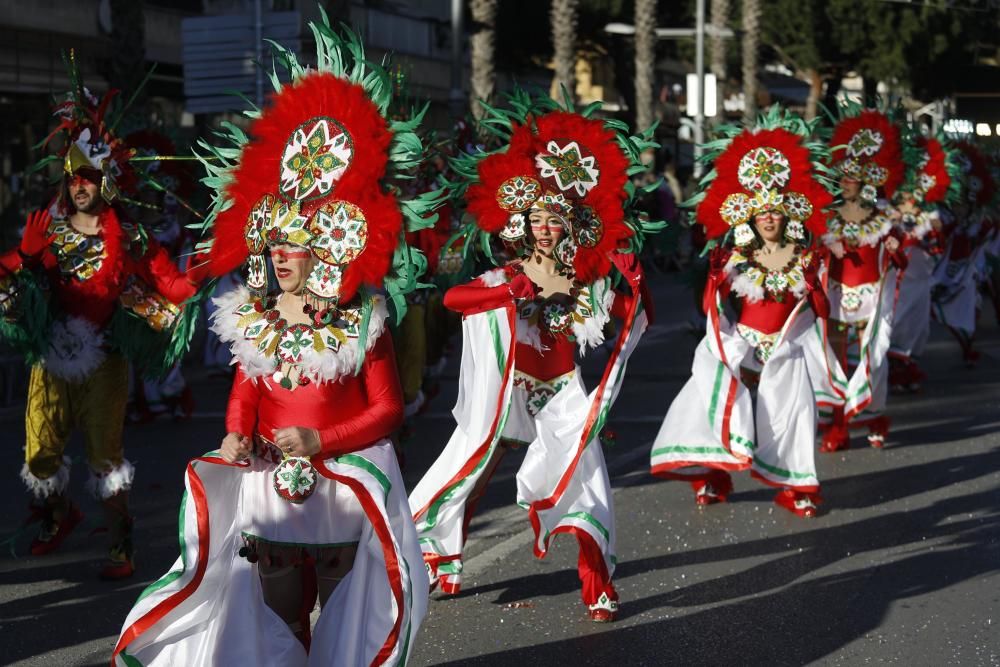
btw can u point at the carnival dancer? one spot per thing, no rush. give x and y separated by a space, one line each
956 277
556 194
84 293
927 184
865 254
765 203
304 497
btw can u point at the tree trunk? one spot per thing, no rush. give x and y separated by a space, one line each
815 91
717 51
563 17
751 41
484 20
645 61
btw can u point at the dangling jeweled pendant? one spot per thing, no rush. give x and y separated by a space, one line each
295 479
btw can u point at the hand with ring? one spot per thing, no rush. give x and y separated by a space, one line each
297 441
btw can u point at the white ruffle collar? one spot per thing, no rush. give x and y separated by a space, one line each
321 355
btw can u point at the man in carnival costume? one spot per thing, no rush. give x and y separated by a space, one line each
556 194
304 498
865 252
766 201
966 230
83 294
928 183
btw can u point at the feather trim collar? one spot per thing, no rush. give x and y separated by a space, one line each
261 344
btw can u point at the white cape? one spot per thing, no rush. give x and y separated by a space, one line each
711 423
866 389
563 481
912 320
209 609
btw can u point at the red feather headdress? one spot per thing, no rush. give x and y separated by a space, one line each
569 165
977 181
311 175
867 148
763 170
933 179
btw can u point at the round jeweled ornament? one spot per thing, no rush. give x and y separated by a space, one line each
295 479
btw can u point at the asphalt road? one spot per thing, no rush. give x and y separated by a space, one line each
899 568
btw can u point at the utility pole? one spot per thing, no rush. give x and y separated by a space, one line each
699 66
456 98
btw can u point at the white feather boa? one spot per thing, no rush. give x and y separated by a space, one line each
50 486
590 332
75 349
107 483
319 366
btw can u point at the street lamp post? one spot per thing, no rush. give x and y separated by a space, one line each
699 66
698 32
456 99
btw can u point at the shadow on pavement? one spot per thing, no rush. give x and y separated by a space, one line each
782 622
836 609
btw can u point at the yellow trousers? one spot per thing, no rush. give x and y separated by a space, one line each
411 351
96 406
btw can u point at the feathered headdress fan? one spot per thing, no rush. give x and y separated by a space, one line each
977 182
87 127
933 176
313 170
867 148
562 161
776 166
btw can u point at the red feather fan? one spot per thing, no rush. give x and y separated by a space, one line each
481 197
727 181
937 168
890 156
258 173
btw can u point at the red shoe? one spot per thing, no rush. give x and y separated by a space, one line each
119 564
715 488
878 429
835 439
605 610
797 502
706 496
51 536
602 616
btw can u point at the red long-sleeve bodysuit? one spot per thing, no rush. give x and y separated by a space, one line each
350 414
559 355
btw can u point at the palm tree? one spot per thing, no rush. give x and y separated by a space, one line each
645 60
751 41
484 19
717 49
563 19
